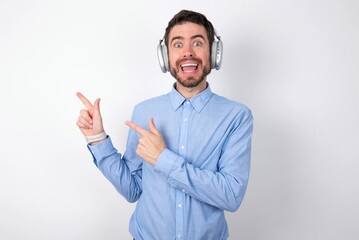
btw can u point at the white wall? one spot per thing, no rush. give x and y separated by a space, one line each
294 63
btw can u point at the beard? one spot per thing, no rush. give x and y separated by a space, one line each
190 82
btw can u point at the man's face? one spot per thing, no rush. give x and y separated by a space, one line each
189 54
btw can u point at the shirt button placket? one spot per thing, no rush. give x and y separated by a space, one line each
180 194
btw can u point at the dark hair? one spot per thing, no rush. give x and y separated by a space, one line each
194 17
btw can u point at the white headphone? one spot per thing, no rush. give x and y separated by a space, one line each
216 58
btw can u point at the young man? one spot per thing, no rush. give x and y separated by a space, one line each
188 152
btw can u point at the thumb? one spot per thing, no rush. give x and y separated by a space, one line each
153 128
96 109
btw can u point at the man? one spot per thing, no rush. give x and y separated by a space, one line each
188 152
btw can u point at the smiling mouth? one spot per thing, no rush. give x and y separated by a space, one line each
189 67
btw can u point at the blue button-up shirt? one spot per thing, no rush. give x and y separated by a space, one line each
202 172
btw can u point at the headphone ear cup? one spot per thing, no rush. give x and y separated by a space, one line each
165 57
217 51
162 56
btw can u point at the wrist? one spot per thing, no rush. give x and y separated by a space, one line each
97 142
95 139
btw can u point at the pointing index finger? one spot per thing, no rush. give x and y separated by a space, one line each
137 128
85 101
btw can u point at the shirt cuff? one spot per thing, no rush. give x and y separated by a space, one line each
166 162
102 150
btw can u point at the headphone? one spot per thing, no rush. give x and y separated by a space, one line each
216 56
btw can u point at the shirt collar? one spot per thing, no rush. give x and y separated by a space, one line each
198 102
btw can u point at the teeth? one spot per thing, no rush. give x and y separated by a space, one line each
189 65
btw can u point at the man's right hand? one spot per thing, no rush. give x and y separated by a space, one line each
90 120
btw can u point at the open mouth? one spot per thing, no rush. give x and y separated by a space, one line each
189 67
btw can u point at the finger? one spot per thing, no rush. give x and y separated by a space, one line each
85 114
85 101
96 109
153 128
80 124
137 128
84 122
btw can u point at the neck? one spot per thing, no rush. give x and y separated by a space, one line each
189 92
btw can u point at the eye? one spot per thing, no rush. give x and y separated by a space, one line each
177 45
197 44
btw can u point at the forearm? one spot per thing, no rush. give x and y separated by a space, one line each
114 168
223 189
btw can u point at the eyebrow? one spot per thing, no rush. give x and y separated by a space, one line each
193 37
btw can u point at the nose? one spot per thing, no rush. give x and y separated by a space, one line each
188 51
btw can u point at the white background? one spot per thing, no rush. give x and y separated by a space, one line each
294 63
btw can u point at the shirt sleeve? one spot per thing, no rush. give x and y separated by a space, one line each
124 175
224 188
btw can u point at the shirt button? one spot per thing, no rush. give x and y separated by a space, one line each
179 236
187 102
182 147
185 120
180 205
183 190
